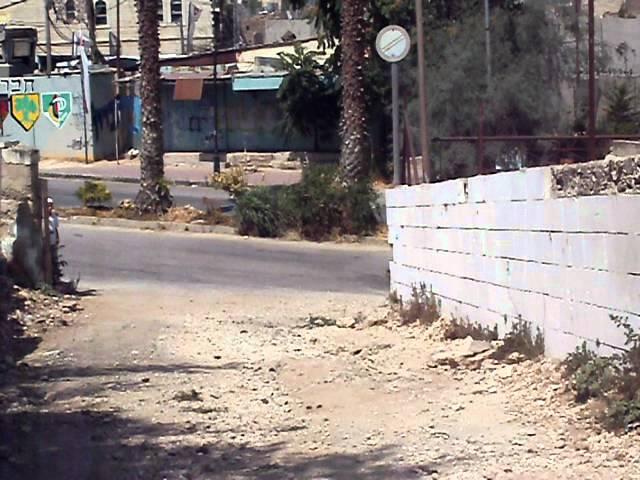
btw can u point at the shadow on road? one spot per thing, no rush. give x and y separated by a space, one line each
41 440
90 445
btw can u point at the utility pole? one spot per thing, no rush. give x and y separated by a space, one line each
215 18
487 34
485 98
591 148
117 103
47 34
422 90
576 95
397 165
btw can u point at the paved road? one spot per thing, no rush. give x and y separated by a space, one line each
63 192
104 256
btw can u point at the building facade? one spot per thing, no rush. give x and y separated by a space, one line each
48 113
69 16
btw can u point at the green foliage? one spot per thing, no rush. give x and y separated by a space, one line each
522 339
622 116
591 376
231 180
309 96
258 214
424 307
623 414
94 194
320 198
615 379
318 208
530 60
463 328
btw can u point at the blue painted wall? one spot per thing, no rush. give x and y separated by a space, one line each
248 120
67 142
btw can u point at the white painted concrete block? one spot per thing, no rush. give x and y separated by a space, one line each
570 208
443 193
623 213
594 214
391 197
622 253
526 184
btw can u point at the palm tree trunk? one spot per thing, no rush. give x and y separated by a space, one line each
355 151
154 195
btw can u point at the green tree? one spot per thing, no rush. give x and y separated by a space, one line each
530 59
154 195
309 95
354 125
622 116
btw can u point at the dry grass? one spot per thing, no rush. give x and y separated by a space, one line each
176 215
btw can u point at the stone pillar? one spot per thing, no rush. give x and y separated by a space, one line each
23 245
19 172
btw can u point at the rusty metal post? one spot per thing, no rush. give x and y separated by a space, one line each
591 129
480 150
576 95
422 91
47 262
409 144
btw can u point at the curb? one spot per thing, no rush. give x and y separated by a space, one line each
150 225
98 178
158 226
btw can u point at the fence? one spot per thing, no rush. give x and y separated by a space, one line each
532 84
549 245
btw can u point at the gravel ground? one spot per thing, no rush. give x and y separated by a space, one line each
178 384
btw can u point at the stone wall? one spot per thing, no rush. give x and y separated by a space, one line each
557 246
20 229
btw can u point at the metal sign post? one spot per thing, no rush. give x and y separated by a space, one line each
393 45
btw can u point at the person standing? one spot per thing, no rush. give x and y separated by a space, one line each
54 240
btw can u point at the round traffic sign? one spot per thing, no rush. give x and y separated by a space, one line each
393 43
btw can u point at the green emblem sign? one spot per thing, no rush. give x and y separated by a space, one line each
25 109
57 107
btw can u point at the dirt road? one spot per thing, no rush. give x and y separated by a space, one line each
193 384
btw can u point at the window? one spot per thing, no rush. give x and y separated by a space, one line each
102 17
21 48
160 11
176 11
70 9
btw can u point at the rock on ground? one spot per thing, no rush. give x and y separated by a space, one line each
280 385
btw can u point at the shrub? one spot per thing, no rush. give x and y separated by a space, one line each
424 307
231 181
318 203
361 202
462 328
615 379
257 213
319 207
521 339
94 194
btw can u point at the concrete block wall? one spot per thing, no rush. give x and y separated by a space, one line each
506 246
20 228
18 171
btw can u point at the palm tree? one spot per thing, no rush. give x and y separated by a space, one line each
154 195
355 151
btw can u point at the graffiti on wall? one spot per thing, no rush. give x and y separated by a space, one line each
103 118
25 109
11 86
4 111
57 107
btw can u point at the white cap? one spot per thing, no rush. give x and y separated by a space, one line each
50 201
